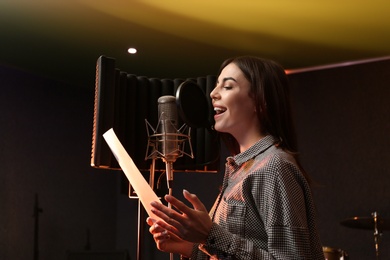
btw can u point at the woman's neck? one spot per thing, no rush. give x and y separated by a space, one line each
246 141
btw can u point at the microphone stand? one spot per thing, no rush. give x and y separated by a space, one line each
156 142
141 213
169 173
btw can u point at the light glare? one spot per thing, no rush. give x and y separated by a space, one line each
132 50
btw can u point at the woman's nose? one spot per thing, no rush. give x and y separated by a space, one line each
213 94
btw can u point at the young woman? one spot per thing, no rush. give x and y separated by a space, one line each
265 209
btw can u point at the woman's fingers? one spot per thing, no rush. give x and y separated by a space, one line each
179 205
191 224
161 235
150 221
194 200
155 228
169 215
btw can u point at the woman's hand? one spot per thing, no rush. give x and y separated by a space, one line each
189 224
168 242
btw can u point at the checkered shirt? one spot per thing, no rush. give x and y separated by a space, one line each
265 209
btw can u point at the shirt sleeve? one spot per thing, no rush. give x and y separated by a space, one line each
222 244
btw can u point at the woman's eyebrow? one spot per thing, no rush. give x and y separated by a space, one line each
228 78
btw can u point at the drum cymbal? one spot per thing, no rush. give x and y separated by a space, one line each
366 223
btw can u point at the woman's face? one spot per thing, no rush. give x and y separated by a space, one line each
235 110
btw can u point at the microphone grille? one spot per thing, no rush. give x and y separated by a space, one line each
167 105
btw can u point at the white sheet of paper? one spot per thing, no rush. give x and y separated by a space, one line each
137 181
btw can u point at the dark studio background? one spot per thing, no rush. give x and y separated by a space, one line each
343 124
48 53
342 118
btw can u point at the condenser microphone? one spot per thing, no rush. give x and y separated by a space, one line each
167 141
168 134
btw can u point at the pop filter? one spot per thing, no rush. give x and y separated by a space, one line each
192 105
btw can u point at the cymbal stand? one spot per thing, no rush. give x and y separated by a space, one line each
377 234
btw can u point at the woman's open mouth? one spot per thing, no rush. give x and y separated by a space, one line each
219 110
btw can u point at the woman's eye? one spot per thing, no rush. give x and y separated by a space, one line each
227 87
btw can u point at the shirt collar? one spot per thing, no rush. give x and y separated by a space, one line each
256 149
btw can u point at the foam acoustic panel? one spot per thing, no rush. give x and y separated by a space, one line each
123 101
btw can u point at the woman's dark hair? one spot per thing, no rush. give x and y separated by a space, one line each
271 93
